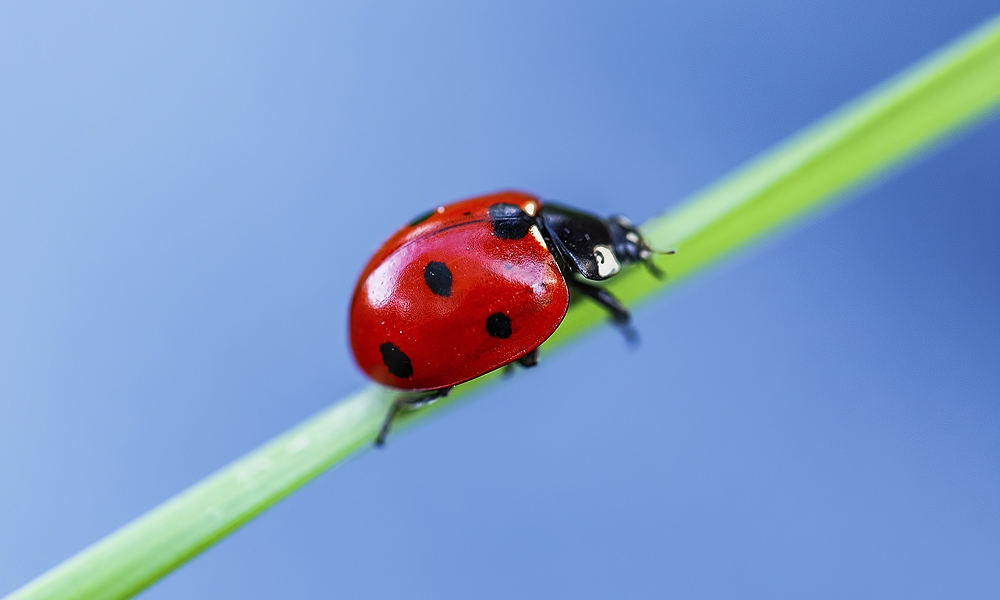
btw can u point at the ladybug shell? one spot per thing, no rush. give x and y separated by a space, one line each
455 294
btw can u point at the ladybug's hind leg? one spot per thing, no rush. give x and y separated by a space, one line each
619 314
407 402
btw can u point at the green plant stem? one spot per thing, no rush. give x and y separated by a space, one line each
934 99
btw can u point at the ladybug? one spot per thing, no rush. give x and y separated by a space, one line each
478 284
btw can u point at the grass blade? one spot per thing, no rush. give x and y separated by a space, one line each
934 99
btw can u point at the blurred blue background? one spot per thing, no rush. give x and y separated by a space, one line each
188 191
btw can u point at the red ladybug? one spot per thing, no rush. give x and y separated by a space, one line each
478 284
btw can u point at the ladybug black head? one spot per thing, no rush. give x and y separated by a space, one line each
593 247
629 245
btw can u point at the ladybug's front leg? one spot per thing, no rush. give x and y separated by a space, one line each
406 402
619 314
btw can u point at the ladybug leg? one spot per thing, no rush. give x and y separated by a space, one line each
406 402
428 399
529 360
619 314
654 270
383 431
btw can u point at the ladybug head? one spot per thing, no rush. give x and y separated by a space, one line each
629 245
593 247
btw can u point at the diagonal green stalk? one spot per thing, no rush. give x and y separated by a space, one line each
928 102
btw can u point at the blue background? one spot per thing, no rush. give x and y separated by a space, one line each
188 191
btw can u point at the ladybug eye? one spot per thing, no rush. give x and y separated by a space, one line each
607 264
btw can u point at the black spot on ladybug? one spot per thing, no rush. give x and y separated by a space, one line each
467 214
417 220
438 278
498 325
398 362
509 221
